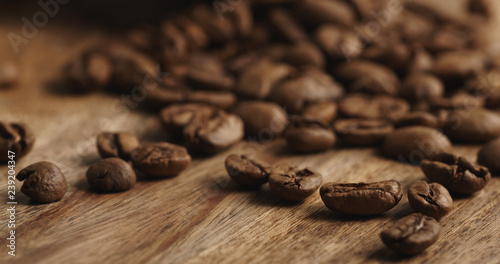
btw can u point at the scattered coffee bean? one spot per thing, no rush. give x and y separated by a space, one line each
176 117
43 182
473 126
412 234
111 175
455 173
415 143
379 107
431 199
292 183
120 144
361 198
489 156
265 120
362 131
247 172
15 137
304 135
160 159
322 111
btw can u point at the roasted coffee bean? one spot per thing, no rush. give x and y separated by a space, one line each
376 107
431 199
9 74
304 54
161 96
304 135
368 77
455 66
194 34
160 159
265 120
412 234
312 85
214 133
420 61
43 182
240 62
173 45
294 184
419 118
322 111
480 7
389 50
111 175
222 100
243 19
447 38
412 27
218 30
362 131
207 72
259 78
339 43
459 100
287 26
455 173
489 156
365 8
325 11
90 72
15 137
415 143
247 172
116 145
176 117
361 198
473 126
421 86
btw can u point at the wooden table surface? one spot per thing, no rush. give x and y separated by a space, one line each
199 216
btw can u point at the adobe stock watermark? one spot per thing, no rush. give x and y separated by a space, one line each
31 26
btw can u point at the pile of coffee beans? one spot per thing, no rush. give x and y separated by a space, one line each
315 73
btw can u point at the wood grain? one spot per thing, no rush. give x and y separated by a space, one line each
199 216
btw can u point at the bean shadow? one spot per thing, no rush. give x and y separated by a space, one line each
383 254
326 215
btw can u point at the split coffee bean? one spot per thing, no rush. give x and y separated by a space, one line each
43 182
247 172
305 135
119 144
15 137
455 173
111 175
362 131
294 184
431 199
415 143
489 156
265 120
160 159
361 198
479 125
412 234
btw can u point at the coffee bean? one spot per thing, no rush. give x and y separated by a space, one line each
89 72
242 18
247 172
480 7
312 85
368 77
361 198
459 100
455 173
412 234
473 126
365 8
160 159
489 156
304 135
260 77
119 145
421 86
214 133
43 182
455 66
339 43
265 120
207 72
304 54
294 184
431 199
419 118
222 100
420 61
391 51
173 45
447 38
9 74
287 26
415 143
362 131
325 11
111 175
218 30
176 117
374 107
321 111
195 36
413 27
15 137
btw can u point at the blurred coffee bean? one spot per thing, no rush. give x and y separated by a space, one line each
15 137
303 135
287 26
9 74
265 120
218 29
193 33
419 118
220 99
89 72
304 54
322 111
339 43
455 66
116 145
489 156
479 125
207 72
176 117
326 11
362 132
377 107
420 87
173 43
459 100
